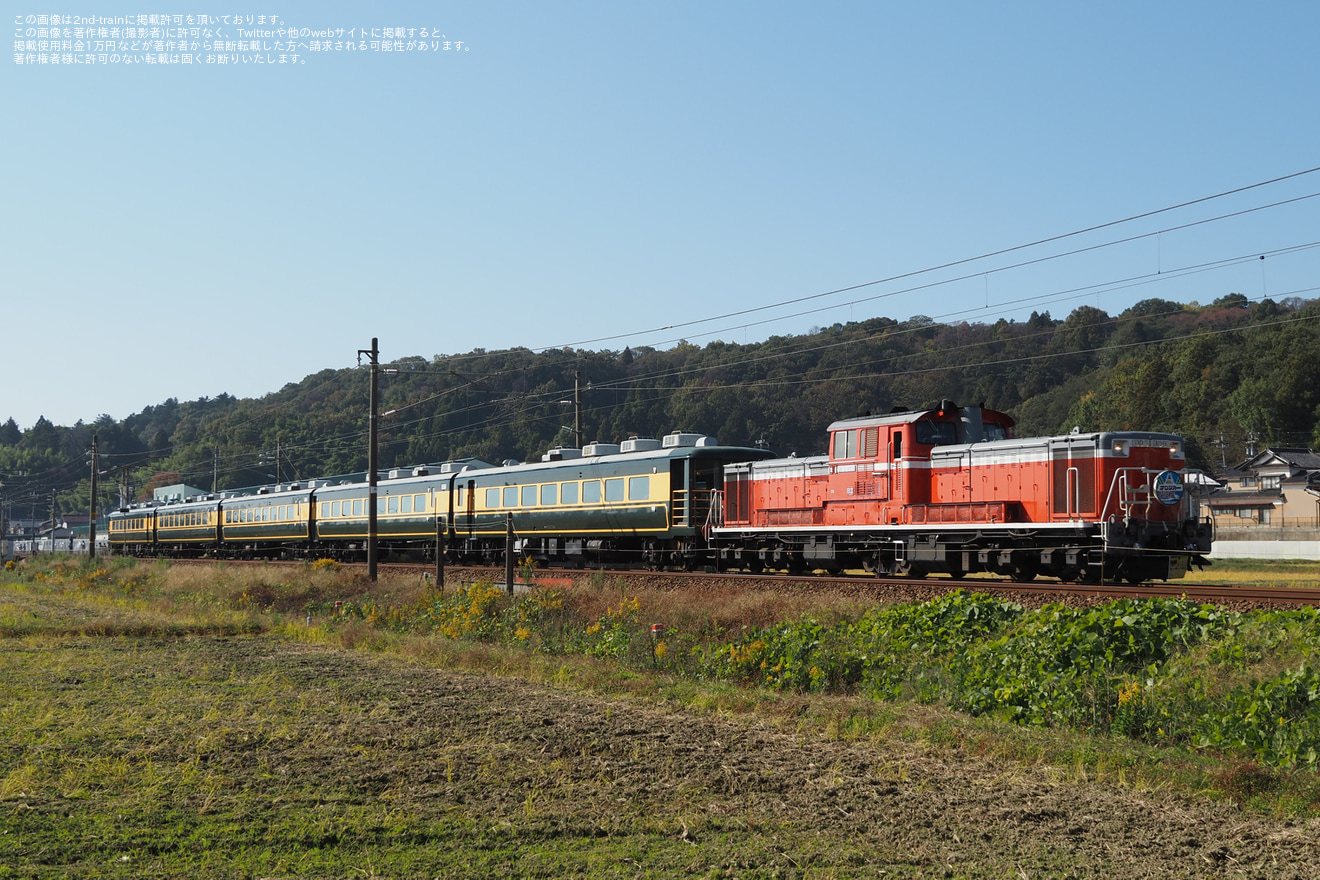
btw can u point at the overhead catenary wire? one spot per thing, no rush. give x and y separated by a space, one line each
348 437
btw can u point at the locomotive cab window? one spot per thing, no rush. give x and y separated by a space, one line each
845 444
936 433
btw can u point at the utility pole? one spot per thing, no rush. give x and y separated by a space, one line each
52 520
215 468
577 408
374 355
91 521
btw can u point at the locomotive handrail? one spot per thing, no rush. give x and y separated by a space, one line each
715 513
1128 497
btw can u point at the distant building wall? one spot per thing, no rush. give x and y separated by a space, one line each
1265 549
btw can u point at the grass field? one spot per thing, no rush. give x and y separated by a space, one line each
185 722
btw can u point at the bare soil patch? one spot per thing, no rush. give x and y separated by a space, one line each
310 761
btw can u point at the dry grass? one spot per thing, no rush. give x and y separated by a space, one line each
1266 574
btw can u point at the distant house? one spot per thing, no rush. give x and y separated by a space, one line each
1278 487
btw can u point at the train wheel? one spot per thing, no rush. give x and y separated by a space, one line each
1026 565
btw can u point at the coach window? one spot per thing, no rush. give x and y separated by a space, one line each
406 503
510 496
492 498
528 496
614 489
591 492
568 493
639 488
393 506
334 509
419 504
549 494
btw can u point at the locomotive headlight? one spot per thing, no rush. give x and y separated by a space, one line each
1175 450
1120 447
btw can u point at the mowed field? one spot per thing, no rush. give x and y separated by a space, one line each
138 741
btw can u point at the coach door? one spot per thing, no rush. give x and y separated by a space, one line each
1072 477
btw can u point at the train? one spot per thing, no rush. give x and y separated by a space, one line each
945 490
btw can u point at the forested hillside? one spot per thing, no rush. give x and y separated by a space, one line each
1215 374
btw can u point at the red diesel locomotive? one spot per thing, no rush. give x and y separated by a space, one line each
951 490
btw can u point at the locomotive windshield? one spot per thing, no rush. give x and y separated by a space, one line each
937 433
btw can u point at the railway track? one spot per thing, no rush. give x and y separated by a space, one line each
869 586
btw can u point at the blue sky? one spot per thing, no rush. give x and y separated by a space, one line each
583 171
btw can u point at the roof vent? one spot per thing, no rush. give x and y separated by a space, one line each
421 471
639 444
708 441
511 462
593 449
675 439
562 453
